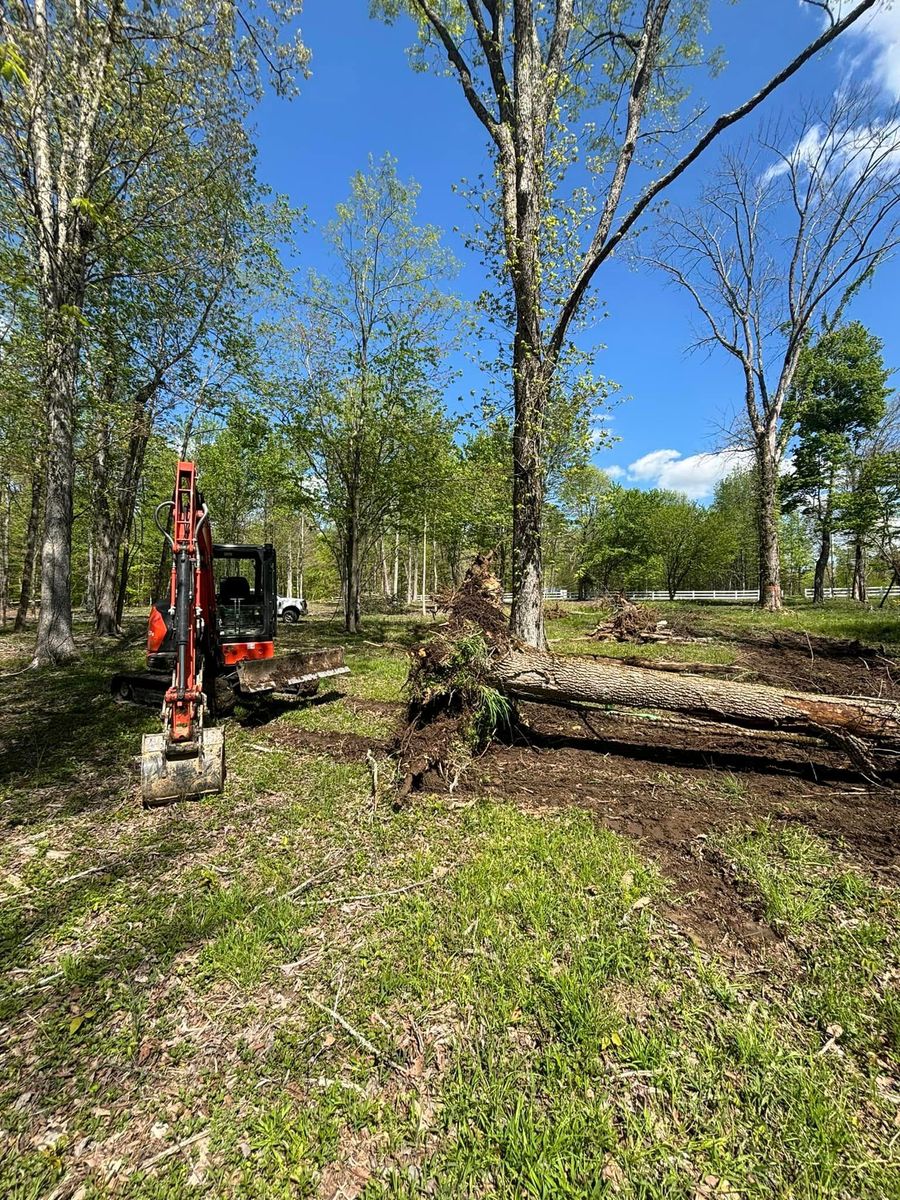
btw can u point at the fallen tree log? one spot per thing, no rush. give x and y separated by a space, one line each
464 683
678 668
526 674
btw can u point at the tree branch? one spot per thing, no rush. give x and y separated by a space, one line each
603 247
463 71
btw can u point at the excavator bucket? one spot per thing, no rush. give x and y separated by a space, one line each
170 772
298 672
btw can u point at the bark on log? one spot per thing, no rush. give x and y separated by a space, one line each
531 675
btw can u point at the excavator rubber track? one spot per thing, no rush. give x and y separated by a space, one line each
140 687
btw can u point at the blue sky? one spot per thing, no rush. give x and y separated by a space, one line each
363 99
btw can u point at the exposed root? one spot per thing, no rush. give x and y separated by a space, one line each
452 712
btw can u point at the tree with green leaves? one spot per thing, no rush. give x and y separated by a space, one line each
731 532
370 344
677 536
839 398
869 509
91 95
577 100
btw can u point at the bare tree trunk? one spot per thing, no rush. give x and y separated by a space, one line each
890 587
302 562
527 617
352 567
385 574
54 642
767 521
424 562
104 551
123 584
821 567
29 550
859 590
5 516
396 590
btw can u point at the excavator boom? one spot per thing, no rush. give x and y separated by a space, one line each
186 759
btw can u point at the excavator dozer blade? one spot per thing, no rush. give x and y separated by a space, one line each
170 773
299 672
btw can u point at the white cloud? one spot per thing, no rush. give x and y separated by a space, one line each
805 152
863 150
878 35
614 472
695 475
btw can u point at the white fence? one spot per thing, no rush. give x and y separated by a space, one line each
845 593
715 594
549 594
747 596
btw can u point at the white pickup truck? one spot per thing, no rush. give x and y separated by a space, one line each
292 608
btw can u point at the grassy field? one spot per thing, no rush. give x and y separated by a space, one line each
293 990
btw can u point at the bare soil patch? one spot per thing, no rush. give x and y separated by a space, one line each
813 664
673 791
347 747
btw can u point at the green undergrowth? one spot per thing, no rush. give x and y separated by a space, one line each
844 926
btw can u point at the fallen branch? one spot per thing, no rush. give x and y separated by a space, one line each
345 1025
172 1150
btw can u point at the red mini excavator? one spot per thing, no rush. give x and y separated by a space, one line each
211 641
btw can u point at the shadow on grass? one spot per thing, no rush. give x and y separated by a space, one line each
67 747
64 742
263 712
375 630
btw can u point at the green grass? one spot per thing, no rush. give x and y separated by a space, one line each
516 1016
844 926
835 618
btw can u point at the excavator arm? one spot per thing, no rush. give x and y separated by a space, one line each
186 759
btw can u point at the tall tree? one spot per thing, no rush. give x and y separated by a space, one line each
560 87
869 510
678 529
839 397
784 234
371 344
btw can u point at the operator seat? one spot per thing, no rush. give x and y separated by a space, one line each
234 588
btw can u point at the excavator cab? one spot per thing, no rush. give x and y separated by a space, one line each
246 594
